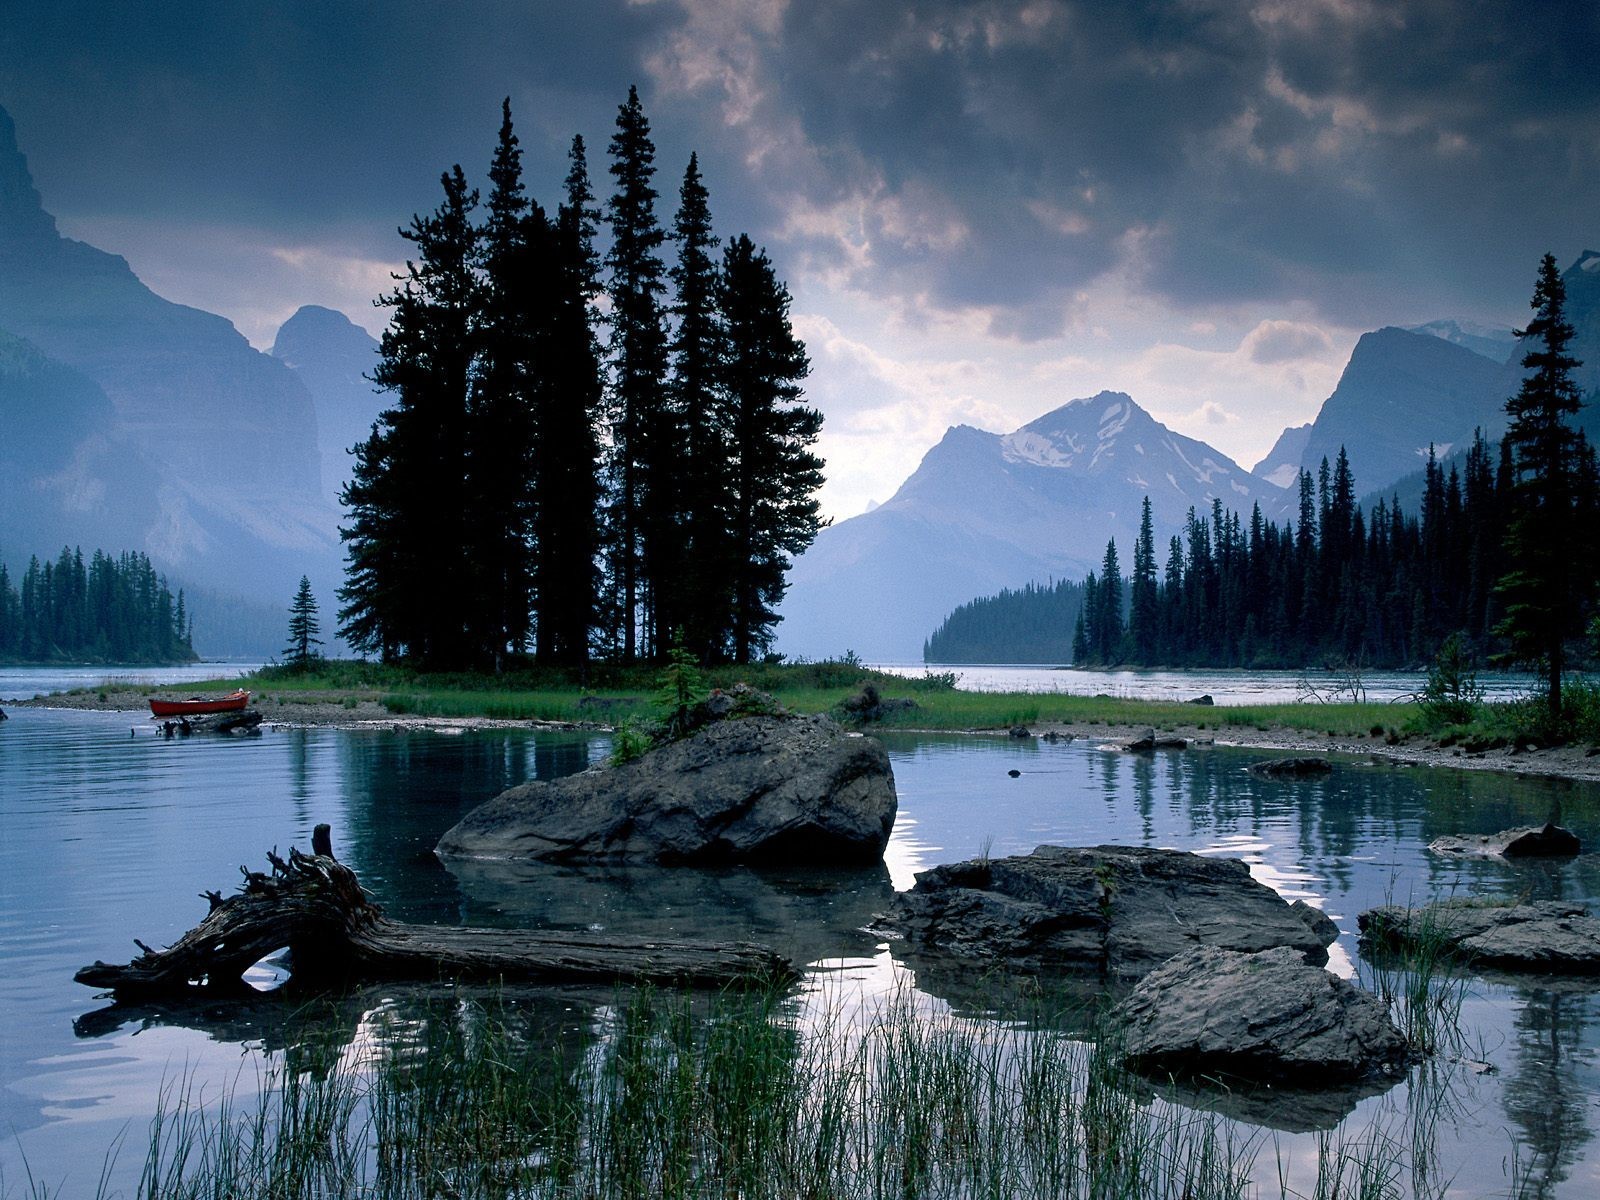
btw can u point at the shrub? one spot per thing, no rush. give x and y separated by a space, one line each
1451 695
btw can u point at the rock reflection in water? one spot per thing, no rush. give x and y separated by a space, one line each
806 915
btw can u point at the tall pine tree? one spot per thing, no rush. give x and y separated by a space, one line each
570 395
405 537
1550 579
701 584
641 521
502 459
775 474
301 651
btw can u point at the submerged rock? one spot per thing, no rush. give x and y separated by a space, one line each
1155 741
1528 841
1545 936
1119 910
759 789
1266 1016
1297 767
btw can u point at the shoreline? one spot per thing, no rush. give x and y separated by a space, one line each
1576 763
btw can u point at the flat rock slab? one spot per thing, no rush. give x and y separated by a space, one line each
1262 1016
1527 841
775 789
1298 767
1117 910
1542 937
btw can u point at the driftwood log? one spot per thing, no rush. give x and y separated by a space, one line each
315 906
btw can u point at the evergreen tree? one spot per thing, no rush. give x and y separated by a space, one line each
702 582
641 526
1144 609
569 399
1550 576
1106 638
303 628
502 461
775 475
406 541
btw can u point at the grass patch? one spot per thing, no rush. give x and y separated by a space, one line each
733 1098
608 694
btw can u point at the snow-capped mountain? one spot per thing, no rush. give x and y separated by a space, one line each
1491 341
985 511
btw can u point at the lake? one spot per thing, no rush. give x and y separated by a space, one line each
110 836
1225 687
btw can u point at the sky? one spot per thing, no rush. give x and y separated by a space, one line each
982 209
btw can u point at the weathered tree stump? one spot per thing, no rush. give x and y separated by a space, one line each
315 906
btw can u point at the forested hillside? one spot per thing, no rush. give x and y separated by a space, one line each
108 610
1030 624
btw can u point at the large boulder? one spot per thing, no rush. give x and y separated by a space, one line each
1118 910
777 789
1265 1016
1555 937
1527 841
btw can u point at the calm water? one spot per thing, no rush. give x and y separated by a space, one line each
24 683
1224 687
107 837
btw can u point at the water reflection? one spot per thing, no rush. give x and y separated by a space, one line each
107 838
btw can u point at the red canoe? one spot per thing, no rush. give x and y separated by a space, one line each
195 706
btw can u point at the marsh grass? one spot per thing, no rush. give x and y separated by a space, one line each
1423 984
676 1096
604 693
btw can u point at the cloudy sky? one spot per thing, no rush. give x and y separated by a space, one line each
983 209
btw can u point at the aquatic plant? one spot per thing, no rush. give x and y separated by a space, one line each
741 1096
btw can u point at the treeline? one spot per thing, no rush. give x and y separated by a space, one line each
1339 585
114 610
585 455
1031 624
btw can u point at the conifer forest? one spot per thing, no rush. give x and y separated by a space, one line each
108 610
587 453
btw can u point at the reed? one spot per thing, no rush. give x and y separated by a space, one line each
736 1097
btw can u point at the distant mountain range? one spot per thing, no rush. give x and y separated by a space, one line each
985 511
128 422
132 423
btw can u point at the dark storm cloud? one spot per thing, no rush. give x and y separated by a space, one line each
1367 158
1358 155
302 116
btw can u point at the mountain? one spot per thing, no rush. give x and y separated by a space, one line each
161 428
1401 392
984 511
331 355
1492 342
1282 463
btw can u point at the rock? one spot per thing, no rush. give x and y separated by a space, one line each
1299 767
1317 921
868 705
1544 937
1528 841
783 789
1119 910
1021 731
1152 740
1205 699
1014 773
246 722
1265 1016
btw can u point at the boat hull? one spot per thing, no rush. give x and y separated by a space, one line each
233 702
